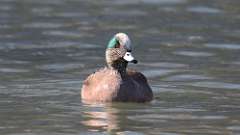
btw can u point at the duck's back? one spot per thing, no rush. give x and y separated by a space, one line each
107 85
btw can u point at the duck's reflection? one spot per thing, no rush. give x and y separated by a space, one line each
101 117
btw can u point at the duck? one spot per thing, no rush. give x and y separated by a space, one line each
116 82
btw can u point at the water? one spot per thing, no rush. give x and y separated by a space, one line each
188 49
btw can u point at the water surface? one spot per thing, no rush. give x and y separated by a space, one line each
188 50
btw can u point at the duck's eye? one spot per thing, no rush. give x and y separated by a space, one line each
128 54
117 44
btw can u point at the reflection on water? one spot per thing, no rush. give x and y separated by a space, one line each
188 49
104 119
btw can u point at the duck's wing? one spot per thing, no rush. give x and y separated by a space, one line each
103 85
137 76
141 87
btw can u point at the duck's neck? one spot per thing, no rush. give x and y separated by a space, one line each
119 65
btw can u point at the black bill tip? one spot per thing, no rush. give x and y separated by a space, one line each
134 61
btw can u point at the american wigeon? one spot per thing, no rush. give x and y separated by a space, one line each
116 82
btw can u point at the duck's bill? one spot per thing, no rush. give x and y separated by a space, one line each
129 58
134 61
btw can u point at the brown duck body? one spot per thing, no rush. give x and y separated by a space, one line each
116 82
109 85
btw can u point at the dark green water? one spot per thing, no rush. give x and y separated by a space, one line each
188 49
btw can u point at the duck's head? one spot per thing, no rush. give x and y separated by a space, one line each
119 50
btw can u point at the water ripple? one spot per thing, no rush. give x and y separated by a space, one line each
5 7
217 85
206 10
187 77
193 53
179 116
127 2
157 73
110 11
59 67
13 70
48 45
44 25
72 14
165 65
223 46
64 33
